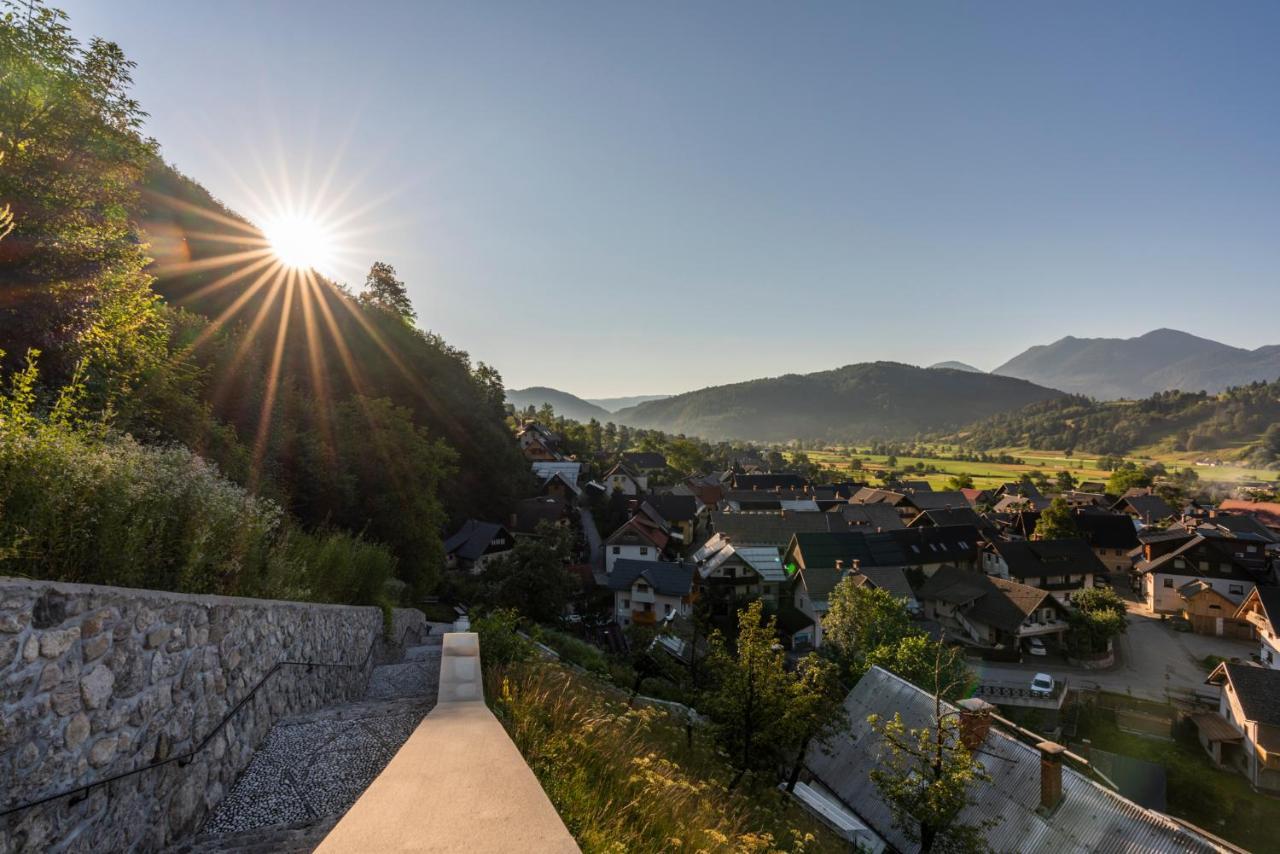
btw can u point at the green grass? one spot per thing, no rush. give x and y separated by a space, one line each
1219 801
988 475
628 779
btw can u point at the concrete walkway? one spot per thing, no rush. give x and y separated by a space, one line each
310 769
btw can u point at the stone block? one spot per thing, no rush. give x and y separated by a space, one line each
103 751
94 647
77 731
96 686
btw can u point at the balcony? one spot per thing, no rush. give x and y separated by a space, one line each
1044 627
644 618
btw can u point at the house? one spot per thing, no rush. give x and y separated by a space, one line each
1111 536
1096 486
877 517
1079 498
1261 610
645 462
475 544
1210 612
708 489
537 443
1061 567
769 481
645 592
921 549
955 516
1045 798
639 538
1025 488
568 470
772 529
1170 563
734 574
531 512
810 593
1245 732
621 478
680 513
745 500
1145 506
1265 512
558 485
910 502
989 611
1015 503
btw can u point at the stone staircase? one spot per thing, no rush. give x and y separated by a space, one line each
310 769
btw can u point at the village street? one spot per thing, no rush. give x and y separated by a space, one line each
1152 660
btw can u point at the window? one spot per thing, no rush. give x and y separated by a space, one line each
666 608
617 550
1168 582
641 587
626 603
648 606
1235 589
644 550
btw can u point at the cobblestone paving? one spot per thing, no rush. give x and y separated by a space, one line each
310 769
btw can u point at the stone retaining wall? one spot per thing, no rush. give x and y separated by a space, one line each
97 681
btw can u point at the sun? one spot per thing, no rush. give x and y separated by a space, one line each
301 242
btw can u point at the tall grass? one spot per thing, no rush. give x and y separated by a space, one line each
625 779
81 503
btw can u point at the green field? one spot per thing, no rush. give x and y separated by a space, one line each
987 475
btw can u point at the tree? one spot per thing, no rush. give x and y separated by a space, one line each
960 481
925 662
753 692
1097 617
859 620
925 777
1065 481
383 290
1127 476
532 577
815 708
1057 522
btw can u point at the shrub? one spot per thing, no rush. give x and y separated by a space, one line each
574 650
500 641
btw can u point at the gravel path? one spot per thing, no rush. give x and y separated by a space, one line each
310 769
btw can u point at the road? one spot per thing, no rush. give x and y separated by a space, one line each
593 539
1151 660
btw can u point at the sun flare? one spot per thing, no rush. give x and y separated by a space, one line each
301 242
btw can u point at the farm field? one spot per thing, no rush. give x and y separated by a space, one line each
991 474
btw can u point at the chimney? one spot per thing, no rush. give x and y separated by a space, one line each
975 721
839 564
1050 774
856 564
633 505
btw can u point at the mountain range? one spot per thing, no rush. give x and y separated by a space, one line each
1161 360
875 400
613 404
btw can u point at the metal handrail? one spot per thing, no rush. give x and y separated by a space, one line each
185 758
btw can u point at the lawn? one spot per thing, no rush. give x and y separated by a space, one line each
1219 801
987 475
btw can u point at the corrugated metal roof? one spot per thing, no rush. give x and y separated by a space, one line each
1090 818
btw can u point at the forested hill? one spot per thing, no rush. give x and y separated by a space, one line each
874 400
565 404
1247 417
141 320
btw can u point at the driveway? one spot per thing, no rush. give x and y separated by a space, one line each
1152 660
593 538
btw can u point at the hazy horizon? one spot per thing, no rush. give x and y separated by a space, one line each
647 200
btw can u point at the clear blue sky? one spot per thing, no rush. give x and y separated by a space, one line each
637 198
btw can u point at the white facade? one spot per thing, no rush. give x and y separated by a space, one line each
993 564
626 484
642 599
613 554
1161 590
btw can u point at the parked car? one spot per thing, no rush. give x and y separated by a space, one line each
1101 581
1035 646
1042 685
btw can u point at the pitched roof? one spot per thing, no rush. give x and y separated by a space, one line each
1220 549
674 508
1104 530
1266 512
820 581
1257 689
1013 503
890 578
1149 508
570 470
621 469
473 539
644 459
642 526
665 577
1269 600
772 529
1039 558
560 476
870 516
530 511
771 480
765 560
1090 818
1243 524
952 516
904 547
928 500
991 601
